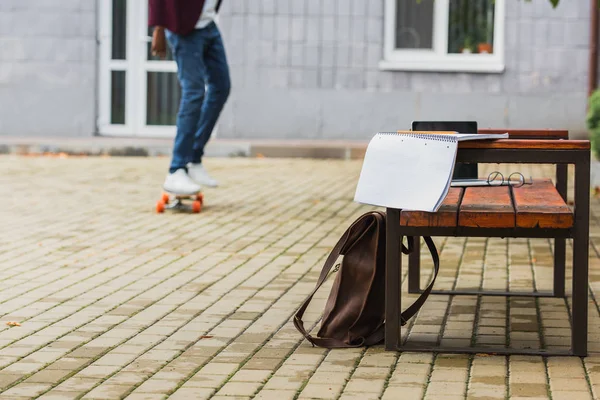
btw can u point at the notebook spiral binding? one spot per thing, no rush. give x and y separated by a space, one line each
439 138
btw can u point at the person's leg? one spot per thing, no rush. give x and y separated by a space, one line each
187 52
218 88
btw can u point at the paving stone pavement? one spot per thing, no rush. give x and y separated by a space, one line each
115 301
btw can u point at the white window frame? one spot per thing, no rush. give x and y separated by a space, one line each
438 59
136 67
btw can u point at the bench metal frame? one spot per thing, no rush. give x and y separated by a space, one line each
579 233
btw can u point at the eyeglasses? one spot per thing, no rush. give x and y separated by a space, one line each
516 179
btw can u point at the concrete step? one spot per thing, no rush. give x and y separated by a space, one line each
143 147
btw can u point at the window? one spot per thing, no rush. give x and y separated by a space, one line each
444 35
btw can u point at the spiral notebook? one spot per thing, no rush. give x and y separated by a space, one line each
411 170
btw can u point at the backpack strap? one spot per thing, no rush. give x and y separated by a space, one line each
298 323
414 307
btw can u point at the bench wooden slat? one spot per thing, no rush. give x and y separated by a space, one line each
487 207
444 217
540 205
532 144
530 133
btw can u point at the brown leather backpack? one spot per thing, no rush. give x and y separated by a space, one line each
354 314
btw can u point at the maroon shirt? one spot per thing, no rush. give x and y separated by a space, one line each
178 16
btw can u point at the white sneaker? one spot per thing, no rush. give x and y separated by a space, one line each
200 176
179 182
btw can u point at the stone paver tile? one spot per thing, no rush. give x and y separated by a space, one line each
407 391
402 379
191 393
69 364
528 389
58 395
446 388
108 392
564 367
119 360
98 371
448 375
275 395
486 391
359 396
365 385
5 360
444 397
284 383
239 388
380 359
145 396
525 378
22 368
250 376
453 362
371 373
171 374
48 376
218 369
7 379
205 381
330 377
415 358
569 384
569 395
529 398
88 352
157 386
320 391
267 364
127 378
27 390
304 359
78 384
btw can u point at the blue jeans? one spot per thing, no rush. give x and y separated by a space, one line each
204 78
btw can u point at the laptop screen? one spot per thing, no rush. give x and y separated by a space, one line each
461 170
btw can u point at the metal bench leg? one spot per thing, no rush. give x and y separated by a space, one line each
560 256
580 258
414 268
392 279
560 244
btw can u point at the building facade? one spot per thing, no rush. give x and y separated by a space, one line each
301 69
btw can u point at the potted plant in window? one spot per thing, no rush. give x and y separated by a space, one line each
467 45
484 48
486 30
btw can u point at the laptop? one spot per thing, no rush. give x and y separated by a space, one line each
461 170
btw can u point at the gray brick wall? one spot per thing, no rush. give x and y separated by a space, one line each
309 68
47 67
304 69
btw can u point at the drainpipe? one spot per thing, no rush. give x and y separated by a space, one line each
593 62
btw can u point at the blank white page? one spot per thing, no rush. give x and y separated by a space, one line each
407 172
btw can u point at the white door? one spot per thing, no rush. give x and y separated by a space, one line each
138 94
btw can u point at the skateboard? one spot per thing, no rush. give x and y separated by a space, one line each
175 201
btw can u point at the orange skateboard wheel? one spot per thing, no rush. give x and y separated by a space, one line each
200 198
160 206
196 206
165 198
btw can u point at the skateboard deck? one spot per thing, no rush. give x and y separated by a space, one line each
175 202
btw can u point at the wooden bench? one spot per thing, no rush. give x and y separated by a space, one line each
539 210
